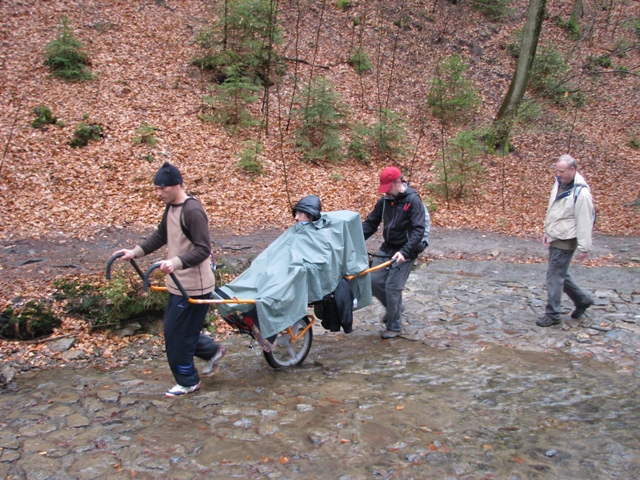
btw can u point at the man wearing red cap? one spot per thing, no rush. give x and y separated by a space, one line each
185 230
405 220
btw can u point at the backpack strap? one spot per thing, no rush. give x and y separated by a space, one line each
576 191
182 225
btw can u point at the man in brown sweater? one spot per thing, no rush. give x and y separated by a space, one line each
185 230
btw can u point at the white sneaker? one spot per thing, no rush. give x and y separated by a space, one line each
179 390
213 364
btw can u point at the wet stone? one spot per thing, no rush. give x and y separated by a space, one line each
8 456
67 397
92 465
77 420
60 411
304 407
268 430
71 355
37 429
63 344
243 423
108 396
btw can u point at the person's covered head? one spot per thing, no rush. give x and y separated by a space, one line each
167 176
168 184
389 178
308 209
566 167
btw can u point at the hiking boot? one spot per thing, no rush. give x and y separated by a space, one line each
179 390
390 334
579 311
548 321
213 364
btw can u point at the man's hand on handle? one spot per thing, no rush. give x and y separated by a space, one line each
398 257
126 254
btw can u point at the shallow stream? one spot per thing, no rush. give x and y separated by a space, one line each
359 408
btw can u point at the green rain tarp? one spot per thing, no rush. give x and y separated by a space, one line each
300 267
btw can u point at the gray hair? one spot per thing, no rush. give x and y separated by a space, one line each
568 160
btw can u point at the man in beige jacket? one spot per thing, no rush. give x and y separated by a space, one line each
567 228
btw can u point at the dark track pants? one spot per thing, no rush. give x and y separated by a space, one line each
182 325
387 285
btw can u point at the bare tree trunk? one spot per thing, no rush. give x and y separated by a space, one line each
273 12
315 52
577 12
506 115
13 126
224 34
445 170
295 70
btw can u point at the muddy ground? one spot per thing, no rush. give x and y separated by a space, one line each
38 258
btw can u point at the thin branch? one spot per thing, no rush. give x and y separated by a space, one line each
306 62
13 126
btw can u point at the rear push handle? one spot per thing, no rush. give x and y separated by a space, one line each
132 262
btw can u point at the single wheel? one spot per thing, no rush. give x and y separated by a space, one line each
288 351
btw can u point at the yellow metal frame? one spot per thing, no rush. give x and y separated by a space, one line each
295 338
234 300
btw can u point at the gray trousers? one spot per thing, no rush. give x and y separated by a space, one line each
387 285
559 280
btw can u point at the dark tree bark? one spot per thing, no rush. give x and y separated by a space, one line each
507 113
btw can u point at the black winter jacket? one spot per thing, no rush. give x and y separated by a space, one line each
404 223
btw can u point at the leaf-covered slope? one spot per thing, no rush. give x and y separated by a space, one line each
140 53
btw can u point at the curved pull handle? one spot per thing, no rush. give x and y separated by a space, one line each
372 269
132 262
155 266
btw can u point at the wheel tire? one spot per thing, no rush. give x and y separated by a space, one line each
287 354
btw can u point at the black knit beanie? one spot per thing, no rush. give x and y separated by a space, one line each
167 176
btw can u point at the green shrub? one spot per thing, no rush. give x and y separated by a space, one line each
452 97
513 47
549 78
634 24
321 116
36 319
571 26
343 5
603 61
622 46
529 111
621 71
359 60
121 300
84 133
359 148
250 161
634 142
459 173
230 99
44 117
388 135
146 134
336 176
65 56
385 139
246 34
492 9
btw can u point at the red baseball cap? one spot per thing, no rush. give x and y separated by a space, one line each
387 177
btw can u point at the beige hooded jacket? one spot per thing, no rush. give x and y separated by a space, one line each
569 217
